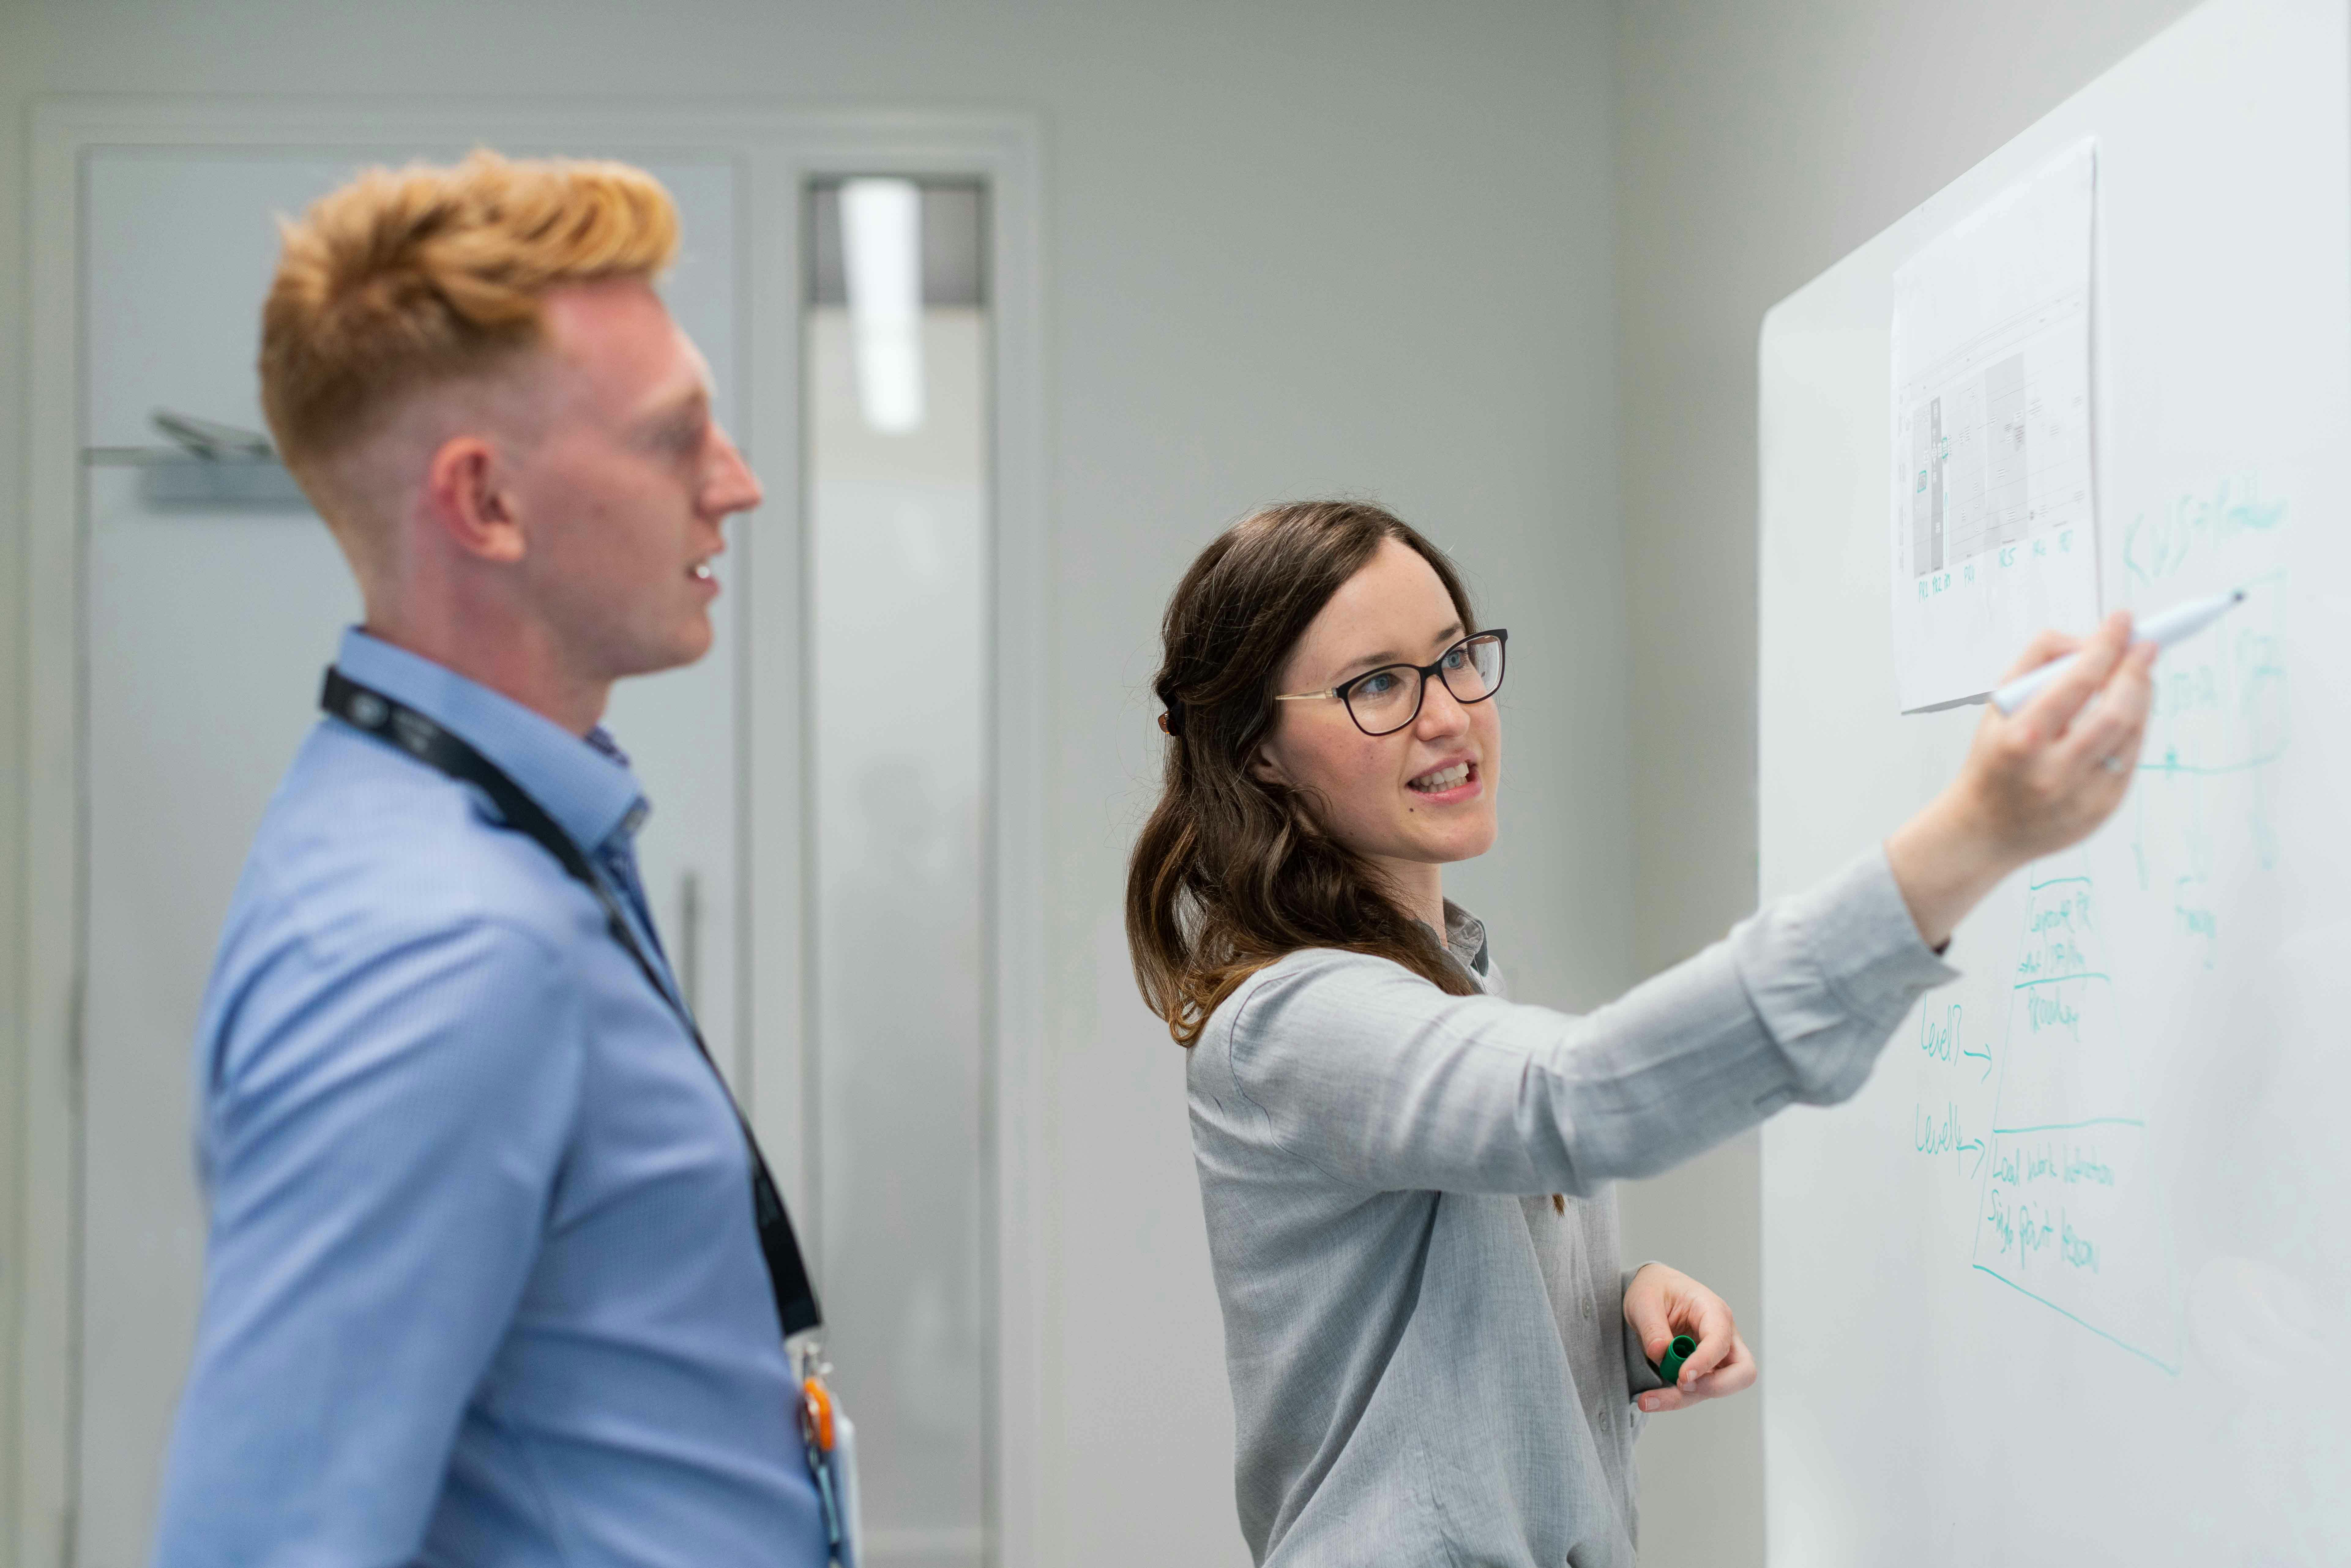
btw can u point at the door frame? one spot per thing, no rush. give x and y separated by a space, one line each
775 152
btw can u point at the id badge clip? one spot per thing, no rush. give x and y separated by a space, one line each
829 1438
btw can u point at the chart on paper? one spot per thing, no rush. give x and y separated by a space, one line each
1993 496
1999 438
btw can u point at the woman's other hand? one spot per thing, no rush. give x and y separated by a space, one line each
2034 781
1662 1302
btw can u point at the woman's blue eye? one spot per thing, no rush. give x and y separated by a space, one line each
1378 685
1456 658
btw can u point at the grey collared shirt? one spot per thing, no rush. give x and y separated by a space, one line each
1430 1361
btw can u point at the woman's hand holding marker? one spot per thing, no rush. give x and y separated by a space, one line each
1662 1302
2034 782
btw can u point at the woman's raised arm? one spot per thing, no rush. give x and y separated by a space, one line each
1368 1073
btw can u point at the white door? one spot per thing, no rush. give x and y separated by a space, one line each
206 629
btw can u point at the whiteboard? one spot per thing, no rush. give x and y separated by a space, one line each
2067 1280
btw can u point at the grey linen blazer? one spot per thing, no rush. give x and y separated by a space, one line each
1429 1363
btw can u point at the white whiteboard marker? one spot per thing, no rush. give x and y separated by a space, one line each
2176 624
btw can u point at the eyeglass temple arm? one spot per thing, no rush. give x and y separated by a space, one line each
1423 671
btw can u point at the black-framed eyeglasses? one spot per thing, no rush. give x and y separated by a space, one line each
1385 700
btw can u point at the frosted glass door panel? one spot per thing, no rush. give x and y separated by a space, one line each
898 580
207 636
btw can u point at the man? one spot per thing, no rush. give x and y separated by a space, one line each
485 1283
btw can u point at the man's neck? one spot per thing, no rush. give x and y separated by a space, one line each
513 661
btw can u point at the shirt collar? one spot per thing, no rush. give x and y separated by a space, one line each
1465 937
585 785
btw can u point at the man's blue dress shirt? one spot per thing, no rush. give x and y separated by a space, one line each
483 1284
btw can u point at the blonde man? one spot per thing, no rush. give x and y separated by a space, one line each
485 1281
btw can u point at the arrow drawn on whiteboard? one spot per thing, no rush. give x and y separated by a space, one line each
1977 1145
1984 1057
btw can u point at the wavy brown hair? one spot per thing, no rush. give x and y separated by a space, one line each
1231 871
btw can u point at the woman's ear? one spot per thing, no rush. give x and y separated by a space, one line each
1265 770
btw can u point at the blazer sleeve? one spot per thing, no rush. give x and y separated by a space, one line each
1379 1080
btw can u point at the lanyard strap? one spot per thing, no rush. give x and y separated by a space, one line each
412 732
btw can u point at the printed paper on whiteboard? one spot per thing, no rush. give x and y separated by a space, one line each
1993 495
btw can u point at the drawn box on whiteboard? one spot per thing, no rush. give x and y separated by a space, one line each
2071 1213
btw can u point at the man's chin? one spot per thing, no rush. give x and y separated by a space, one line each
691 650
687 647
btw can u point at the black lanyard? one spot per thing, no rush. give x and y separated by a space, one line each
418 736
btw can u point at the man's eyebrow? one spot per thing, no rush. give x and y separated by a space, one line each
684 403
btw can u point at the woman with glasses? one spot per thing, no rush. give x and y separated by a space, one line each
1435 1356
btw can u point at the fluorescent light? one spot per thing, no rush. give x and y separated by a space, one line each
882 254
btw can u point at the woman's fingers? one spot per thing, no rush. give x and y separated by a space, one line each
2062 699
1734 1374
2097 768
1709 1319
2116 727
1645 1311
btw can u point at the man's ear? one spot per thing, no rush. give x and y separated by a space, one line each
465 495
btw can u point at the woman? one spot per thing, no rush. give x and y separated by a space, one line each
1434 1355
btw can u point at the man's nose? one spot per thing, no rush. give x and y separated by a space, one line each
733 488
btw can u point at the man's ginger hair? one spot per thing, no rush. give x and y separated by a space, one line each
410 279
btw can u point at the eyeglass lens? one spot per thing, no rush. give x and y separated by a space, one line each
1388 698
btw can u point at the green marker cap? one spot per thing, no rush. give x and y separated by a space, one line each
1670 1367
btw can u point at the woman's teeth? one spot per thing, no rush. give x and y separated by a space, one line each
702 572
1438 782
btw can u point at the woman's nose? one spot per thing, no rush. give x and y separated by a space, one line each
1441 712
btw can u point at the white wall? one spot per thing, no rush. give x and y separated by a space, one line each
1758 144
1326 246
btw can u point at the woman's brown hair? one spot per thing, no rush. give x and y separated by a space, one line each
1231 871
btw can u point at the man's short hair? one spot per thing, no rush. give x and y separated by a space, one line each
404 280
